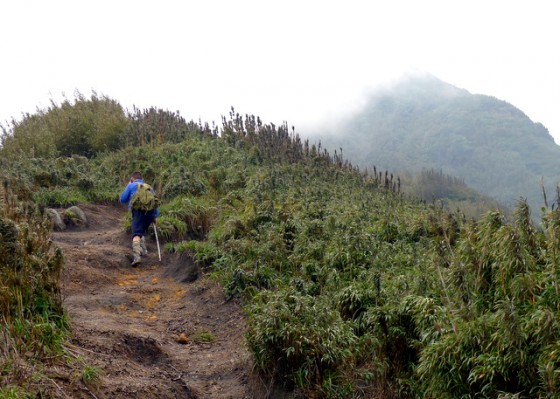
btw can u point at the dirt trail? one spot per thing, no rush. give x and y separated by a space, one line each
127 320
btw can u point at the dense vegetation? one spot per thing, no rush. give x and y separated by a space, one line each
351 288
32 322
424 123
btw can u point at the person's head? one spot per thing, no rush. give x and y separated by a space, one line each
136 175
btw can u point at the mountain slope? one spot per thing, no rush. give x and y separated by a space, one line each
424 123
348 287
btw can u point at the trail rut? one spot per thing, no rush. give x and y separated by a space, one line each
129 321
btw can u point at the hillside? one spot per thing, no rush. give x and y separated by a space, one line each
424 123
333 282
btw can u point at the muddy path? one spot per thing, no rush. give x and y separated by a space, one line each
151 334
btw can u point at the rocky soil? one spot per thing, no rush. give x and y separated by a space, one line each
152 335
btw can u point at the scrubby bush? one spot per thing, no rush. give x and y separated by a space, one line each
32 319
86 126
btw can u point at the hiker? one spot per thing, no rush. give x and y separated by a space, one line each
144 212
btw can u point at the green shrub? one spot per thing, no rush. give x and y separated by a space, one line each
300 337
32 317
85 127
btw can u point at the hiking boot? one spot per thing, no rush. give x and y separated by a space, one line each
136 252
143 246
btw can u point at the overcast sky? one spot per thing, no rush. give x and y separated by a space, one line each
293 60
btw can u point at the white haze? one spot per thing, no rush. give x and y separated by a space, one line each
296 61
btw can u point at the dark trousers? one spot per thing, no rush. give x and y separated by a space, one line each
141 221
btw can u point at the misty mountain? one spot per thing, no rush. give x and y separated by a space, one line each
424 123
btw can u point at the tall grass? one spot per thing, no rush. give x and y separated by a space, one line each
32 321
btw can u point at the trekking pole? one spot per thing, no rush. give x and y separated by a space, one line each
157 242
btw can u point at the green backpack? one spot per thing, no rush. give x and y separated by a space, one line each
144 198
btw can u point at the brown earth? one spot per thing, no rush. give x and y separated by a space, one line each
152 335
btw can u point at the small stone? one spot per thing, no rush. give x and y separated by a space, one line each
55 217
183 339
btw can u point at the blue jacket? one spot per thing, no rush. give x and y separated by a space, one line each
129 191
